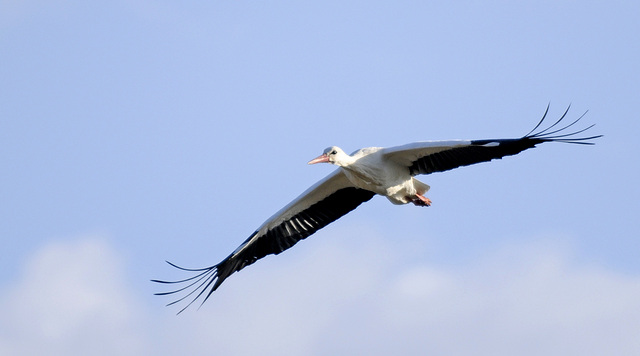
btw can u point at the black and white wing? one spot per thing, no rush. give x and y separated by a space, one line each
438 156
320 205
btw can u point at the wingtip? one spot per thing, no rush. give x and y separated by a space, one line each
547 135
197 284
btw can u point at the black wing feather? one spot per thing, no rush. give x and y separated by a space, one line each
487 150
477 152
274 241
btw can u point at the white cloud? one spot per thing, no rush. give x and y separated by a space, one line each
359 297
72 300
350 294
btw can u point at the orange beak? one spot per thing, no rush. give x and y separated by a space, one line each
323 158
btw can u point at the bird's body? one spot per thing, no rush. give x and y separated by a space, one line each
370 169
389 172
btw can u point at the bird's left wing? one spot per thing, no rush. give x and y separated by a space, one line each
323 203
437 156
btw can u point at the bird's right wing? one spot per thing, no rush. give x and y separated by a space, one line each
323 203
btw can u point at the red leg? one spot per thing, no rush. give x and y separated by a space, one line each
420 200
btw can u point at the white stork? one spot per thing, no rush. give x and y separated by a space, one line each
389 172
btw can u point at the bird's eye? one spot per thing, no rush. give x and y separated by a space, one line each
333 152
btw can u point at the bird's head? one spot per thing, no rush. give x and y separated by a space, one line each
333 155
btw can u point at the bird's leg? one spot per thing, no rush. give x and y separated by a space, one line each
420 200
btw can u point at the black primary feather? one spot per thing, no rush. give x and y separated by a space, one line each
487 150
274 241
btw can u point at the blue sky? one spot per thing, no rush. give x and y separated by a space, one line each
137 131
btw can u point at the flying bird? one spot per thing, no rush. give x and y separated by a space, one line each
389 172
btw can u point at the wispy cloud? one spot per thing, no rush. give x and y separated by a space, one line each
345 296
71 300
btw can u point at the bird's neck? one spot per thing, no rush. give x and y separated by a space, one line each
345 161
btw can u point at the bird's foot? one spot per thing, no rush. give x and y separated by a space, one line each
420 200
